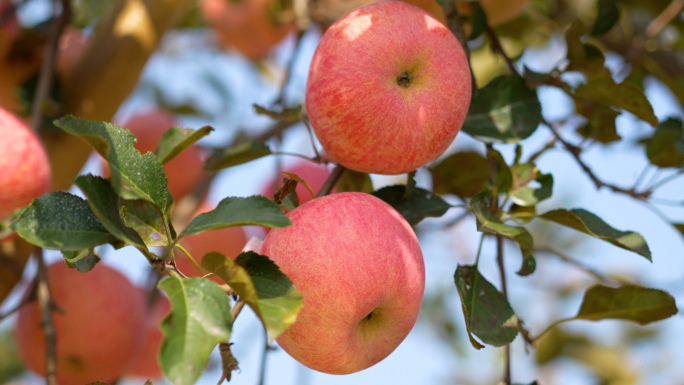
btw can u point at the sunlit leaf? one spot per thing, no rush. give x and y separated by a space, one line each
588 223
61 221
463 173
261 285
176 140
199 319
234 156
632 303
506 110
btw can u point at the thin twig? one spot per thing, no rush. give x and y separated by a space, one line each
669 13
27 299
504 291
48 67
498 48
46 306
264 355
237 309
290 67
600 277
331 181
576 151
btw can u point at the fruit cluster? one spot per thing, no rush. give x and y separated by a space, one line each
388 90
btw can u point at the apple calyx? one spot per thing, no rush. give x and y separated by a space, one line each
404 79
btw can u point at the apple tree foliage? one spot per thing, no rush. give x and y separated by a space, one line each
134 207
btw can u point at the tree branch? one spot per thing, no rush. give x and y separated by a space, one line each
46 306
500 262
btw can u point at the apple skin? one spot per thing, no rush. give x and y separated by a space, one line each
313 174
360 269
144 362
25 171
96 334
184 171
228 241
245 25
364 119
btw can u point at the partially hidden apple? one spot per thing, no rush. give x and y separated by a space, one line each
228 241
388 90
184 171
327 12
144 363
25 171
97 332
498 11
360 269
313 174
248 26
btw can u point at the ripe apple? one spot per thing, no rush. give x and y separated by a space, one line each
72 46
248 26
313 174
498 11
327 12
143 363
388 90
24 167
97 332
359 266
184 171
228 241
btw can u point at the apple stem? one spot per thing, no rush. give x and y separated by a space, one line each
331 181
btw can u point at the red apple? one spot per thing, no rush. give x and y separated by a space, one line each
359 266
184 171
96 334
388 90
313 174
228 241
249 26
144 363
24 166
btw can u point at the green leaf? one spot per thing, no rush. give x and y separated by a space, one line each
236 155
236 211
285 115
600 124
502 177
104 202
525 195
415 207
176 140
632 303
83 260
463 173
602 89
679 227
488 223
261 285
478 21
608 16
488 314
506 110
354 181
588 223
142 217
133 175
199 319
61 221
666 147
522 214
